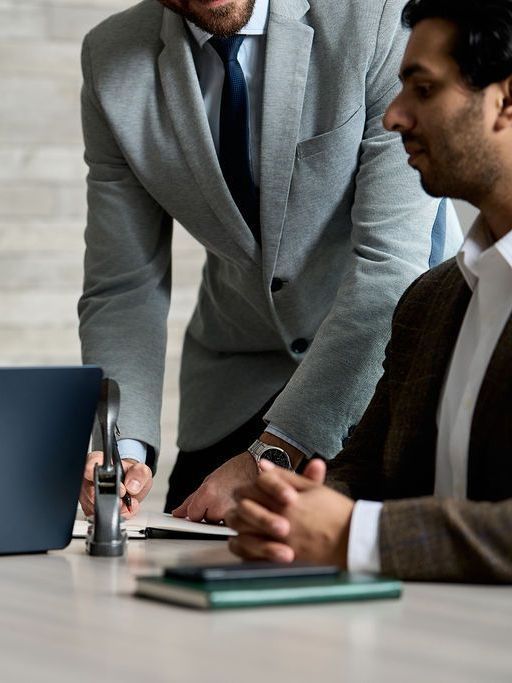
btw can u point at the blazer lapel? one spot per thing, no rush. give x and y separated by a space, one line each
437 320
490 427
442 318
188 115
286 69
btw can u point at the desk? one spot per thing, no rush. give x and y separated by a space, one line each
62 613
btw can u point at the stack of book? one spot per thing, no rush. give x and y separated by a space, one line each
247 585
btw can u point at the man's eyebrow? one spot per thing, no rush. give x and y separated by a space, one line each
412 70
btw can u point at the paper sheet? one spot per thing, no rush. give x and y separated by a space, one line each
136 526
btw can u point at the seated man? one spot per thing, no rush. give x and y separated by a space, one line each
435 443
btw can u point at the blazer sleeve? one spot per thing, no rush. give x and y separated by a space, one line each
357 470
392 221
126 294
432 539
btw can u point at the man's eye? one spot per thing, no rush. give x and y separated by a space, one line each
423 90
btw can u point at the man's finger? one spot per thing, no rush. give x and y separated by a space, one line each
256 548
87 499
270 490
137 478
181 510
251 517
87 507
128 514
315 470
93 458
209 503
271 476
198 506
255 493
216 514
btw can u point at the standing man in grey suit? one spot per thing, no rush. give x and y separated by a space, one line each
265 141
435 442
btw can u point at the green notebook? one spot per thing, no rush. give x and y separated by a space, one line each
255 592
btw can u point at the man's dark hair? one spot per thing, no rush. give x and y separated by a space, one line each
483 48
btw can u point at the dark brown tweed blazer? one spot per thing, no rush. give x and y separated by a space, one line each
391 455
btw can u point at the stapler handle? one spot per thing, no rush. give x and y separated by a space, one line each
105 537
108 414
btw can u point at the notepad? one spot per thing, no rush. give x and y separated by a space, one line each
257 592
142 524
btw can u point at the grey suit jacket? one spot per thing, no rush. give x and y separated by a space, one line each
391 455
344 222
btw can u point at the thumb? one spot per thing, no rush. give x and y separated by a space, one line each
138 476
94 458
315 470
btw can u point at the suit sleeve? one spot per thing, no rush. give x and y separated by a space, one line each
431 539
126 295
357 470
392 220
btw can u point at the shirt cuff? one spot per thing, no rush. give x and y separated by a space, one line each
363 541
272 429
131 448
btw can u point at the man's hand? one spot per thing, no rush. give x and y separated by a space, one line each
137 481
214 497
283 517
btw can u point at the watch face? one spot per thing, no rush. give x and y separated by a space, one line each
278 457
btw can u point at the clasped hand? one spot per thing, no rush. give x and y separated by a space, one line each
282 516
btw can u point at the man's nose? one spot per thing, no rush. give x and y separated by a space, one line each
397 118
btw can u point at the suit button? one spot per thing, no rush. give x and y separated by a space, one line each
299 345
351 430
276 284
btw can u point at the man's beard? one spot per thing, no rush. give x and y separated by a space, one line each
461 165
222 21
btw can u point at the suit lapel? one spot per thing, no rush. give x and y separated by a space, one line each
491 420
188 115
443 319
286 69
438 320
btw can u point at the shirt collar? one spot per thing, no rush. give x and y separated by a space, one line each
479 240
256 26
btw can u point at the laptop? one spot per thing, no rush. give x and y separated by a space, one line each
46 418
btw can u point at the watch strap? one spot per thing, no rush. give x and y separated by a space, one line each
257 448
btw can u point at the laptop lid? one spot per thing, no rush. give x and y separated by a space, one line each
46 417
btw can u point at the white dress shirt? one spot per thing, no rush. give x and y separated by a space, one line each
487 269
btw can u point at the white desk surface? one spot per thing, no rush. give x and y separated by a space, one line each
69 617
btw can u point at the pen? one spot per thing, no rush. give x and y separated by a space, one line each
127 499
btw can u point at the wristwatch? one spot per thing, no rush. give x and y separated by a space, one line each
276 455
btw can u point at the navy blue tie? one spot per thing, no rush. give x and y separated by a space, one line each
234 142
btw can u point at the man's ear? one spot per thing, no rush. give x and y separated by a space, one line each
504 104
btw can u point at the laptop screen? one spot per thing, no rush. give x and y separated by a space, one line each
46 417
